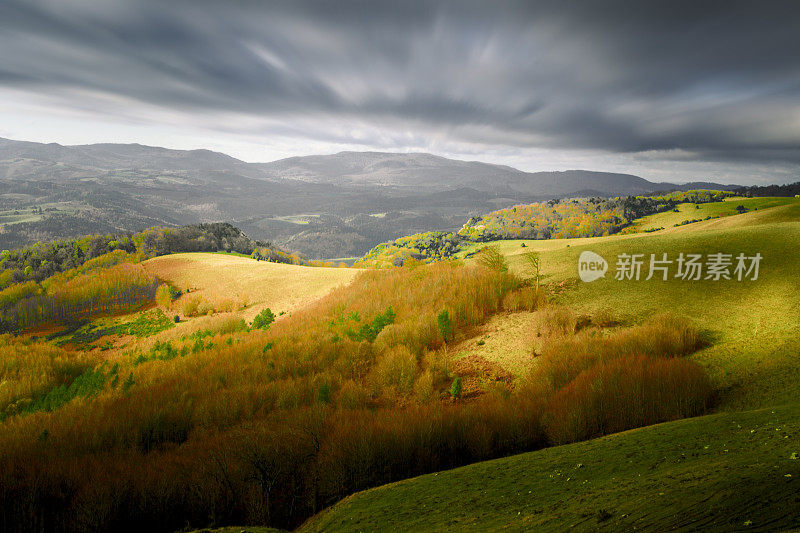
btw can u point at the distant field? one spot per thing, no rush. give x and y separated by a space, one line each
691 211
27 214
18 216
218 277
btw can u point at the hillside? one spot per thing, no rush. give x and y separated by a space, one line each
221 277
735 469
723 472
375 376
435 173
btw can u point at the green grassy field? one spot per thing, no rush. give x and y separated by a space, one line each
737 469
690 211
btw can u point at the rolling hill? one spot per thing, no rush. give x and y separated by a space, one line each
217 277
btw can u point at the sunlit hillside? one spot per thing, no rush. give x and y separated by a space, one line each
252 285
731 470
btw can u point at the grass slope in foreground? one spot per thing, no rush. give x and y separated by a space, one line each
731 470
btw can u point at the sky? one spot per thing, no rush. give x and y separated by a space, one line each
670 91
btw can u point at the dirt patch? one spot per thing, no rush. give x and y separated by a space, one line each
506 339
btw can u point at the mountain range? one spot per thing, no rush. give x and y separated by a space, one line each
323 206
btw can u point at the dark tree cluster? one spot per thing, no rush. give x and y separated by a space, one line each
791 189
42 260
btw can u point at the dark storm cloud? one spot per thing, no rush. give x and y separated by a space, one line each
715 80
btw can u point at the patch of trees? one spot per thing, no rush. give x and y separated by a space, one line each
430 246
43 260
790 189
70 299
582 217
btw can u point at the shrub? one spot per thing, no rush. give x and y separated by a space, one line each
163 296
557 321
264 319
491 258
524 299
424 387
190 306
352 396
396 369
445 325
455 388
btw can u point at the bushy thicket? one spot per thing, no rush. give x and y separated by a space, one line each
268 427
595 384
77 294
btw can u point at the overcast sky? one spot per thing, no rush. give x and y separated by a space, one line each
671 90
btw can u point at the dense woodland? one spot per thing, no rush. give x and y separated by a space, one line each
791 189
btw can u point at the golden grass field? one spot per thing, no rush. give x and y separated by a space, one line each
217 278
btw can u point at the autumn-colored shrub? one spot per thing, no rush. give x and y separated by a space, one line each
625 393
557 321
396 369
524 299
424 387
562 359
190 305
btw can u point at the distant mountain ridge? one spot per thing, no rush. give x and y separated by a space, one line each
406 170
325 206
434 172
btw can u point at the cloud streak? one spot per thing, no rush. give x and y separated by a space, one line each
716 81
